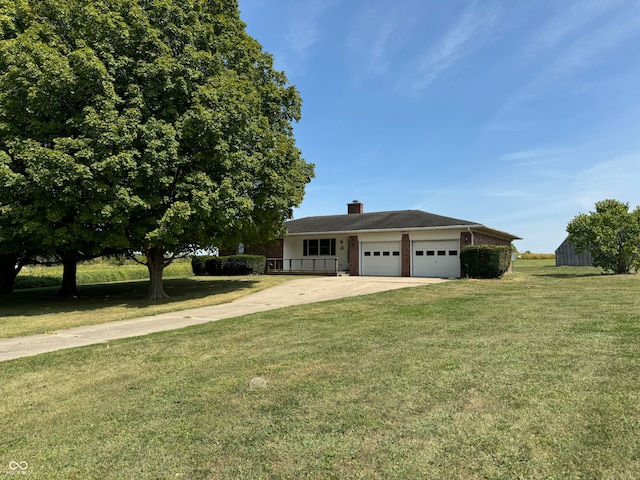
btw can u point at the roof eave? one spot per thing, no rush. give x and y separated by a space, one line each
385 230
477 227
497 233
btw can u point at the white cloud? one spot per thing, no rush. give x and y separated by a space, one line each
302 28
511 194
380 31
553 202
577 39
593 47
474 28
534 157
504 125
616 178
571 54
379 59
571 18
528 154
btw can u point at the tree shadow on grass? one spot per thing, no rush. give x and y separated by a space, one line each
567 272
130 294
569 275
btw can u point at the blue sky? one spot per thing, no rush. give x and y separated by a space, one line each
511 113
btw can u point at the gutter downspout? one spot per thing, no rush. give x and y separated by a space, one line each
473 242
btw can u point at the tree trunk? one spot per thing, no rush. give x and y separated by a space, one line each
155 264
69 286
9 270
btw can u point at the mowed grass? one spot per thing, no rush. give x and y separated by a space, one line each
100 270
531 376
110 293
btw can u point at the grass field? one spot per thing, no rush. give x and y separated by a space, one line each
531 376
100 270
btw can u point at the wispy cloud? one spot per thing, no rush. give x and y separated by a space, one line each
533 157
500 124
511 194
557 199
378 60
592 47
302 30
474 28
379 32
572 18
580 38
616 178
528 154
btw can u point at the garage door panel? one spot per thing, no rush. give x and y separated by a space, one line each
436 258
381 258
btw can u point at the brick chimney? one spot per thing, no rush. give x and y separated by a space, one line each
355 207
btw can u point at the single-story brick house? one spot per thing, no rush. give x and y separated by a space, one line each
408 243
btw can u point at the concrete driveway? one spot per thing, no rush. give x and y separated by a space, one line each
295 292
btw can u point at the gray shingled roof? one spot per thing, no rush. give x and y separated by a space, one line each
373 221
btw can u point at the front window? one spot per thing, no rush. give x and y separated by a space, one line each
319 247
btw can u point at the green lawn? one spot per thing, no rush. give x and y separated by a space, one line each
531 376
37 310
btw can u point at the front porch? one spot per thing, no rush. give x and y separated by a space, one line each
303 266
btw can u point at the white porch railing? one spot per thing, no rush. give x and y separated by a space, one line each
317 266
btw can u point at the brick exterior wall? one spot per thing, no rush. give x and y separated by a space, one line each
481 239
273 250
406 255
354 255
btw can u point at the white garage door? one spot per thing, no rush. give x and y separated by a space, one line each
381 258
439 258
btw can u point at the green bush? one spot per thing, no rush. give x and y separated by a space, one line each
246 265
198 264
231 265
485 261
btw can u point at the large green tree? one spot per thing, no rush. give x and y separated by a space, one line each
168 122
60 137
611 234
